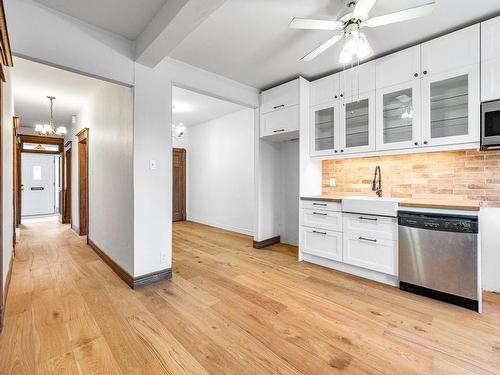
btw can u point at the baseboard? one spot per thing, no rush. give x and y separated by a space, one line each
221 226
265 243
75 229
6 292
133 282
152 278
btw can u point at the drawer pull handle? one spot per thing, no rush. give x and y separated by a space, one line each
323 233
319 204
367 239
279 130
367 218
278 106
319 213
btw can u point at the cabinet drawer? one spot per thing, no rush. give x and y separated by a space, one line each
330 220
379 227
322 243
279 122
280 97
375 254
322 205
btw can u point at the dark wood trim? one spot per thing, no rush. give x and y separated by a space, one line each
6 53
134 283
82 134
68 144
15 177
124 275
6 292
68 185
26 138
40 152
265 243
152 278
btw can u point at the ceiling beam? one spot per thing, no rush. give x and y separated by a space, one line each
174 22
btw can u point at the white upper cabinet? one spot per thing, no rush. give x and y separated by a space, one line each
357 129
450 107
358 79
490 39
451 51
490 59
278 123
325 90
399 67
280 97
325 129
398 116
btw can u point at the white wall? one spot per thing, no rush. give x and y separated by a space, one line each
220 184
43 34
109 117
289 192
153 140
7 176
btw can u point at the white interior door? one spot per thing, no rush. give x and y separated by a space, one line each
38 184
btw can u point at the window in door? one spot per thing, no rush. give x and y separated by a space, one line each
450 107
356 123
398 116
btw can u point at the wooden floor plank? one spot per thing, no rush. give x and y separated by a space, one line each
229 309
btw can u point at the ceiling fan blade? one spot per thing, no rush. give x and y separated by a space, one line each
402 15
363 7
305 23
322 48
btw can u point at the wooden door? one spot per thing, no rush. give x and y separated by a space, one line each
83 183
67 187
179 184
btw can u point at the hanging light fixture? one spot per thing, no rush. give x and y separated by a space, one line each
50 128
356 47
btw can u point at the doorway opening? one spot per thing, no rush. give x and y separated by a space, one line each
212 163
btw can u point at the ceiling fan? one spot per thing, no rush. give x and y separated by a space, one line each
356 45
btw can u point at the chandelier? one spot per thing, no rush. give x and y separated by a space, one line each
50 128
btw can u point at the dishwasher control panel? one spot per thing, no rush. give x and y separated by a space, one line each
443 223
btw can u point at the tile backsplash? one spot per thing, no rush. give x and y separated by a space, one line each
469 175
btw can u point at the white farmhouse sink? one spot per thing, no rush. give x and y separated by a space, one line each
371 205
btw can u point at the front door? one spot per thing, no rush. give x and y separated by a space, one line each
179 184
38 179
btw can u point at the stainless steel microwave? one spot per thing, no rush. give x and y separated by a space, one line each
490 124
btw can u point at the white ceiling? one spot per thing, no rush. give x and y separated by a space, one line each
250 42
32 82
127 18
191 108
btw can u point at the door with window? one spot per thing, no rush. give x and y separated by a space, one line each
38 184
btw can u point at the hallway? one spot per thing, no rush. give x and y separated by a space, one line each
229 309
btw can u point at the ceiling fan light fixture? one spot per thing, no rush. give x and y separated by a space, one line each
356 47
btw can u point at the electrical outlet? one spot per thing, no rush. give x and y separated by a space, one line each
333 182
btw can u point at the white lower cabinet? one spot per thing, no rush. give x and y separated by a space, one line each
368 252
322 219
322 243
371 226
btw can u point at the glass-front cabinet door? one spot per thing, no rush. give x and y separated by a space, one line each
451 107
398 116
358 123
325 129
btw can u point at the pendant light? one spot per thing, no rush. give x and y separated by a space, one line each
50 128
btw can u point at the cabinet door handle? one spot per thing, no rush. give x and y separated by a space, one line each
367 218
415 75
336 151
416 143
319 213
341 150
279 130
425 72
319 204
279 106
323 233
367 239
425 142
336 96
341 95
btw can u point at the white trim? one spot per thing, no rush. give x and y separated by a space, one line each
248 232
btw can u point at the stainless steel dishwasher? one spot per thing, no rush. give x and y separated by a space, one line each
438 257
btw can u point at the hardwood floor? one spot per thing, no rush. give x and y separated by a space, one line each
229 309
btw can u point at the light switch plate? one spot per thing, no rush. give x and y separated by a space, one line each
333 182
152 164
